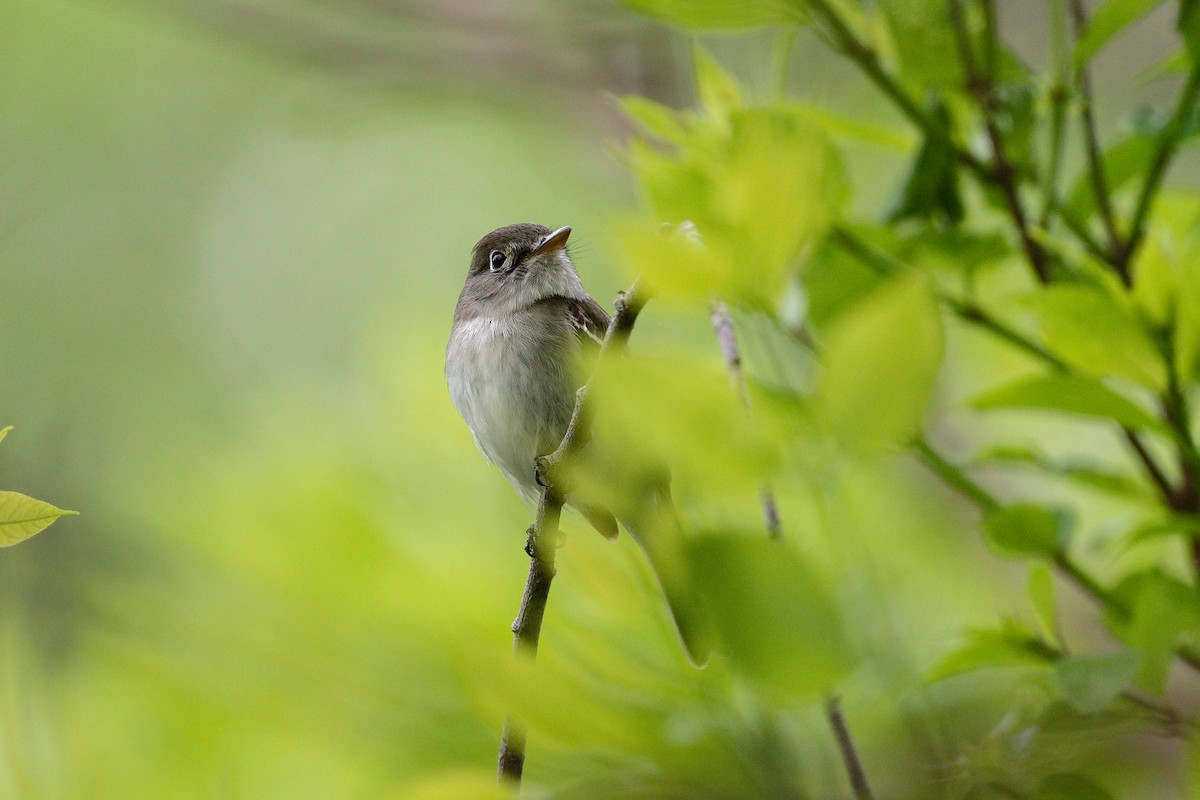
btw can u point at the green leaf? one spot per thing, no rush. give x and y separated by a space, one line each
1010 646
721 14
1041 596
4 432
1064 786
776 618
760 185
654 411
457 786
1112 18
1090 330
1093 476
931 189
923 38
1073 394
1163 611
716 90
1089 683
1188 24
1027 529
653 119
22 517
881 360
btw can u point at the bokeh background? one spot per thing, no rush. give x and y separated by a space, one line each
231 237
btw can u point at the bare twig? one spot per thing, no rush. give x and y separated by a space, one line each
722 324
854 767
543 534
981 85
1083 85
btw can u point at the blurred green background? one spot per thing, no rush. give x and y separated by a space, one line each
231 237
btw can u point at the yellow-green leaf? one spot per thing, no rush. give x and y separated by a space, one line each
881 360
1090 330
22 517
1073 394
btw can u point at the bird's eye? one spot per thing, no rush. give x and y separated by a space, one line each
496 259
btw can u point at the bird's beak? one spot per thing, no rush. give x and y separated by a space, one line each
555 241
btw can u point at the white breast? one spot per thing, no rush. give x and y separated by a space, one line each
511 383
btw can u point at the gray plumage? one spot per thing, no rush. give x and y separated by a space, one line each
515 349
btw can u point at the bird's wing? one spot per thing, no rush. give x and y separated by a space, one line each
590 321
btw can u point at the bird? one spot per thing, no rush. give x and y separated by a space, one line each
522 327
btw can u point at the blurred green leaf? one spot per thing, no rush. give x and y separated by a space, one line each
931 190
1187 309
716 91
653 119
1164 610
1188 24
4 432
953 249
721 14
1090 330
775 616
1027 529
1041 596
1073 394
1089 683
835 281
760 185
458 786
881 360
920 28
1065 786
1108 21
1106 479
1154 279
656 412
1011 646
22 517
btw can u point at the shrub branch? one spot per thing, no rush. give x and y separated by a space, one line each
544 533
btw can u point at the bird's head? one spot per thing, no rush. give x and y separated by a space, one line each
515 266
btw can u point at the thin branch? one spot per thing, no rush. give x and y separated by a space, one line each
1168 142
1004 174
954 477
1083 85
844 40
722 324
854 767
543 534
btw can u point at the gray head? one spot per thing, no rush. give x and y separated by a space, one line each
514 267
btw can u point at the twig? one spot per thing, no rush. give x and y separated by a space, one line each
954 477
854 767
1003 172
722 324
543 534
1083 84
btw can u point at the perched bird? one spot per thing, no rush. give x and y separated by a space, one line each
522 323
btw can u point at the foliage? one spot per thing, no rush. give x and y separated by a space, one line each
1090 282
969 344
22 516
